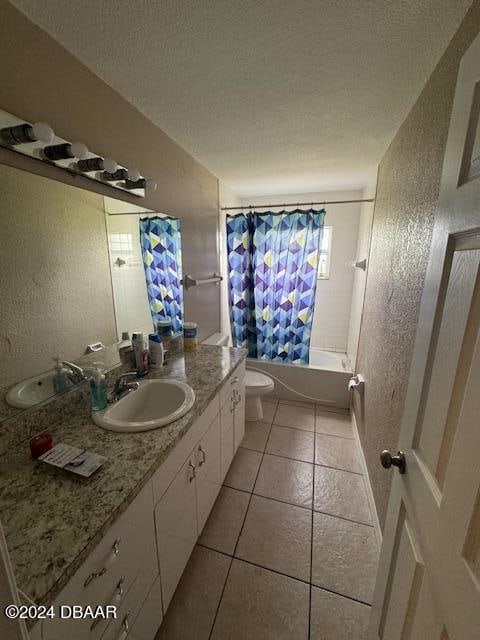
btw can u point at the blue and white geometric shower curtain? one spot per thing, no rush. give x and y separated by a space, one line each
162 258
273 261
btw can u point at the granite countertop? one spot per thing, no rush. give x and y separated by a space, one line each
52 520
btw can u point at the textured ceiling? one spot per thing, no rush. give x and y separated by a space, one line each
273 96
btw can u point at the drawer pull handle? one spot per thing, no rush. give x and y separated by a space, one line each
125 628
108 563
191 472
115 601
204 455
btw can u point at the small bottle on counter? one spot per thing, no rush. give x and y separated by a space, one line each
98 391
156 351
190 340
164 328
141 353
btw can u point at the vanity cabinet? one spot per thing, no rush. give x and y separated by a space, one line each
139 562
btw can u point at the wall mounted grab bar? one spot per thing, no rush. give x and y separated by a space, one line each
188 281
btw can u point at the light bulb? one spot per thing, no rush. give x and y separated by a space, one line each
43 132
79 150
110 165
150 184
134 175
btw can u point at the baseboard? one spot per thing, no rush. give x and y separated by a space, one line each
368 486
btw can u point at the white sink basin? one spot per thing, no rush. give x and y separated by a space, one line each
31 391
154 404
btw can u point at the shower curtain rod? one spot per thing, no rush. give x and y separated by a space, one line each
294 204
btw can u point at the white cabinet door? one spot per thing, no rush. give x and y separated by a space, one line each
227 428
239 415
208 481
176 525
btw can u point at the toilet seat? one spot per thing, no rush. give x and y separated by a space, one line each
258 382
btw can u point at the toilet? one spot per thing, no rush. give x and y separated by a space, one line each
256 384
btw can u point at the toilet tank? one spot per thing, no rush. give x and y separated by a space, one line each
217 339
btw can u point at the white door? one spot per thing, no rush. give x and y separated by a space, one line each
428 586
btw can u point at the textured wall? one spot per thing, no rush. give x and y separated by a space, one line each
40 80
55 285
407 193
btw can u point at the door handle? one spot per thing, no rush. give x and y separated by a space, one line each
398 461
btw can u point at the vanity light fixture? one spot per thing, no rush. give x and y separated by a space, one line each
40 142
22 133
134 175
114 176
97 164
65 151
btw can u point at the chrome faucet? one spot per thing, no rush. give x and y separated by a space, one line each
122 387
75 374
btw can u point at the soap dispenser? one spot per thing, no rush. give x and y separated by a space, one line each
60 379
98 390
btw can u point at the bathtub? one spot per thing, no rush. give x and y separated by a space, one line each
324 380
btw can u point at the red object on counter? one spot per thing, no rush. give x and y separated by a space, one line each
41 444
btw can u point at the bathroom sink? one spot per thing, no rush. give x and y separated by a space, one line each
31 391
154 404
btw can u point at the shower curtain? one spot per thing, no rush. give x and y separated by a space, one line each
272 262
162 259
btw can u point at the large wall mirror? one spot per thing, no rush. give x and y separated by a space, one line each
76 269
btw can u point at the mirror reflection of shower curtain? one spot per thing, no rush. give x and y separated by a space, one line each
273 262
162 258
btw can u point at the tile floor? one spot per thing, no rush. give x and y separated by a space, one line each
289 550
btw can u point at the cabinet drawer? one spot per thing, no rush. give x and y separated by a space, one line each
165 474
176 525
110 571
129 609
207 455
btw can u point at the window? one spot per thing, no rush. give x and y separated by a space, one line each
324 254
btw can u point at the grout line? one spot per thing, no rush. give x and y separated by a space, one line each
334 515
327 466
261 566
238 538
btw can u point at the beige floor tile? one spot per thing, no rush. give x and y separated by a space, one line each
261 605
344 556
243 470
269 408
223 526
336 424
288 415
191 613
277 536
292 443
341 493
334 617
256 435
340 453
287 480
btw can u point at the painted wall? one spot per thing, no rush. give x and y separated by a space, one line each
407 194
55 283
42 81
360 276
333 296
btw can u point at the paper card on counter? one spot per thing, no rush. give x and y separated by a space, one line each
73 459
